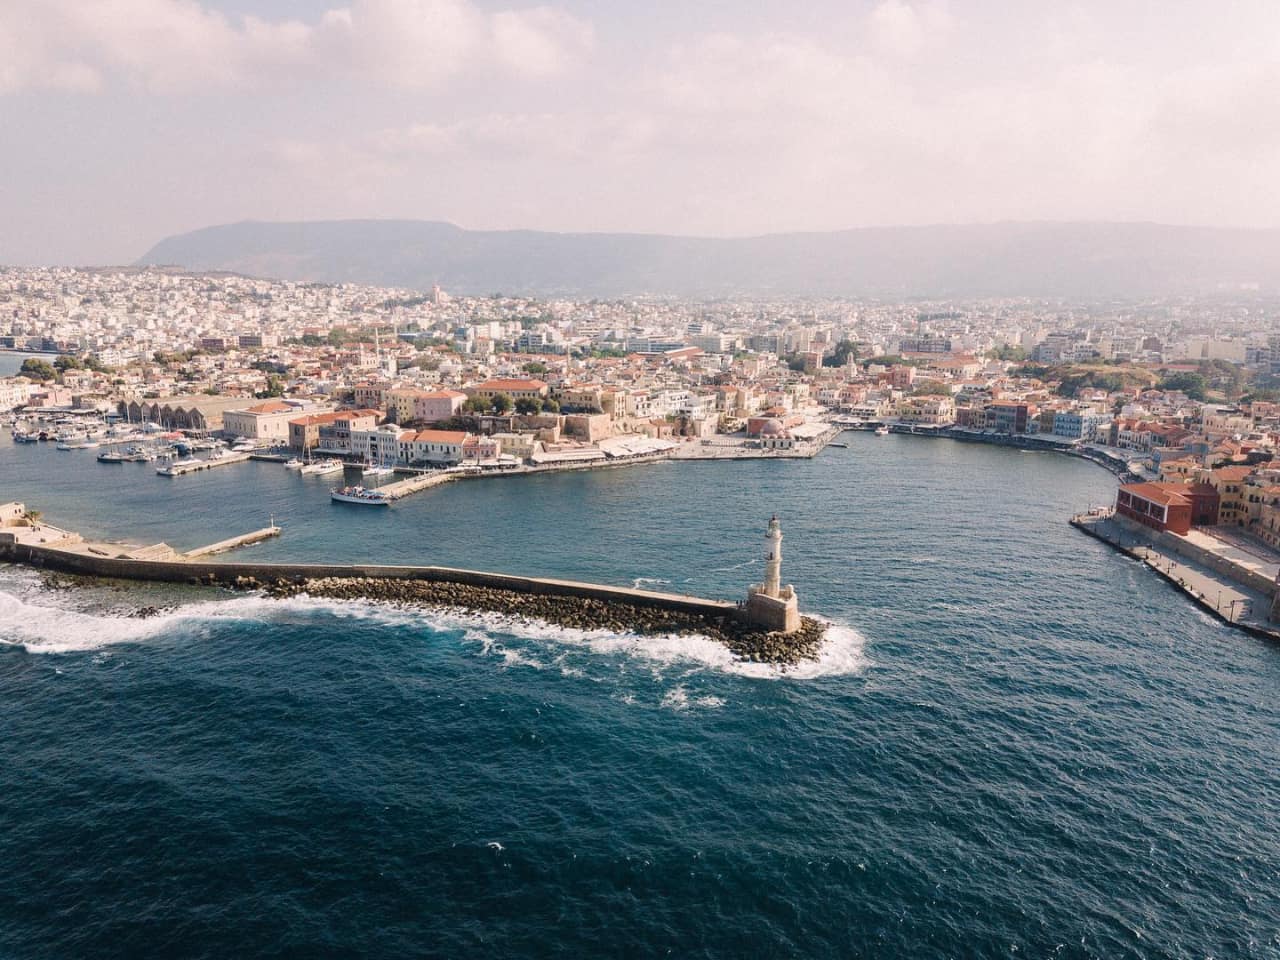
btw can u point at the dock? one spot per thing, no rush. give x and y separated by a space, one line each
425 481
231 543
182 469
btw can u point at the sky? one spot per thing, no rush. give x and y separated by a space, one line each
125 121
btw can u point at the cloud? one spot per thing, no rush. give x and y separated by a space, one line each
904 29
181 46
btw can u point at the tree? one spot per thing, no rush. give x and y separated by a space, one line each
476 405
502 402
37 369
1008 352
67 362
535 367
840 356
550 406
275 388
32 517
1192 384
931 388
528 406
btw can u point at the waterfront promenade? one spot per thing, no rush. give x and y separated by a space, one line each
1241 600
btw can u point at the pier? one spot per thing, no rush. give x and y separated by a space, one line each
182 469
231 543
766 627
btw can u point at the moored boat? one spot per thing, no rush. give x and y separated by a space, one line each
361 495
318 468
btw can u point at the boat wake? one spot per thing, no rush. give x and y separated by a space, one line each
31 618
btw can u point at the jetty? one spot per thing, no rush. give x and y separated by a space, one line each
232 543
182 469
765 627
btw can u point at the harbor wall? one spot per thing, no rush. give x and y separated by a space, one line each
1206 558
184 571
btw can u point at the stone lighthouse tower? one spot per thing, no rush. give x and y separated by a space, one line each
770 605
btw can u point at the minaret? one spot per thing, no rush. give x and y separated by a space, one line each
773 559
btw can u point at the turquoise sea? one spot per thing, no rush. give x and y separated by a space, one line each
1016 744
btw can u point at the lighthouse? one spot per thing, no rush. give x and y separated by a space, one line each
773 558
770 605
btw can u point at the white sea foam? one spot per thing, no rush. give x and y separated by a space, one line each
643 583
34 620
678 699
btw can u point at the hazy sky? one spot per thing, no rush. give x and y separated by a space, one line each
128 120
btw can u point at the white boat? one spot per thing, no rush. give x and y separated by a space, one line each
294 464
882 431
360 495
244 446
320 468
372 471
175 469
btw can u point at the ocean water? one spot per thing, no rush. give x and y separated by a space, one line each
1016 744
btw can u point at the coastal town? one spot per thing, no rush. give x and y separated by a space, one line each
1180 398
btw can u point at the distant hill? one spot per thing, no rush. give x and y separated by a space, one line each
1002 259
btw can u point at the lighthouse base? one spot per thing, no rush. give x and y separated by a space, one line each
773 614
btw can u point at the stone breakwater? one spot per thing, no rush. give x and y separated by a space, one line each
580 613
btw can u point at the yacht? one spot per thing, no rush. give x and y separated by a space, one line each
294 463
360 495
174 469
882 430
319 468
369 470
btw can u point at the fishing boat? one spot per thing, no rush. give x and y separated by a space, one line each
360 495
320 468
294 464
111 456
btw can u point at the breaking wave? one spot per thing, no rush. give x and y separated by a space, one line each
32 619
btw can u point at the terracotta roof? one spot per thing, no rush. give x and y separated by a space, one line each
440 436
1232 474
511 384
1161 493
271 406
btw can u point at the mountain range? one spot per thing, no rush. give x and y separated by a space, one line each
1039 259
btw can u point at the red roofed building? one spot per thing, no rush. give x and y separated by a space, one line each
1171 507
432 446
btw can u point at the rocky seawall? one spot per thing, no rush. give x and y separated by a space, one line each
580 613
